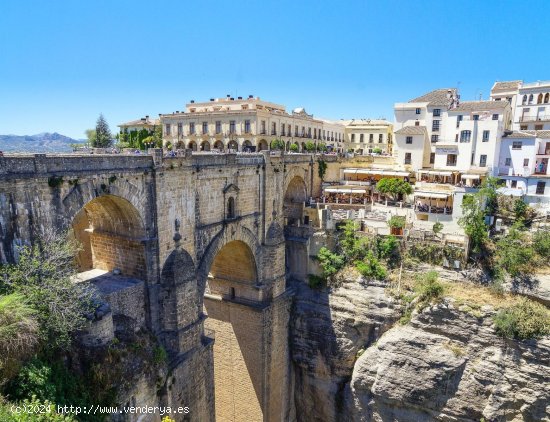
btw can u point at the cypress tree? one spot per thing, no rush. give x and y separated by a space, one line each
103 138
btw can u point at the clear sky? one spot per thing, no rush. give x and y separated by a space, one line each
64 62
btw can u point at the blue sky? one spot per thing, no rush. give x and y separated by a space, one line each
64 62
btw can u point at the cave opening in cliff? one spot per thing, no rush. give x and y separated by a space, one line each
110 232
294 201
236 321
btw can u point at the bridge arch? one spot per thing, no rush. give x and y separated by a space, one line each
295 198
111 232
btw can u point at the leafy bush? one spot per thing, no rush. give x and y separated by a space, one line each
514 254
277 144
393 187
541 243
428 287
330 262
18 334
322 169
294 147
310 146
7 415
437 227
377 151
396 222
386 246
525 320
370 267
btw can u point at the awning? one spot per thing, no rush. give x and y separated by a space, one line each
510 191
470 176
436 173
382 172
437 195
344 190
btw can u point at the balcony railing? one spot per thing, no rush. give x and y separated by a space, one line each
539 118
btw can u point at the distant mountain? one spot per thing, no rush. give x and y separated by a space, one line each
41 142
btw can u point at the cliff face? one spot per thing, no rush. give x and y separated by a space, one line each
445 365
327 331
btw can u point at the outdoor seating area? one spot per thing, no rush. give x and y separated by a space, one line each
433 203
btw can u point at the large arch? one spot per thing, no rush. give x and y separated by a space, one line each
233 145
205 146
111 232
192 145
218 145
263 145
294 200
238 347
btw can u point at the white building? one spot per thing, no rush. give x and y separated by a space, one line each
367 136
136 125
246 124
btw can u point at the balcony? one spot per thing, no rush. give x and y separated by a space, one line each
539 118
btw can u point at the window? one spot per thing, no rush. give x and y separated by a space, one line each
432 157
283 129
309 132
437 112
218 126
180 129
538 127
458 120
371 137
409 140
361 138
232 126
485 136
523 127
417 111
407 158
247 126
517 144
495 116
540 188
465 136
315 133
295 130
262 130
380 138
191 128
524 101
531 99
205 128
231 207
353 137
482 160
435 138
526 162
451 159
417 123
508 162
514 184
456 137
539 99
435 125
476 116
274 128
167 128
547 98
303 131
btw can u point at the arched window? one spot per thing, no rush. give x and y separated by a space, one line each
231 207
539 99
531 99
547 98
524 99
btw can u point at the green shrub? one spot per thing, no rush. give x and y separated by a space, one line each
386 246
315 282
541 243
294 147
330 262
159 355
396 222
49 415
437 227
370 267
428 287
525 320
514 254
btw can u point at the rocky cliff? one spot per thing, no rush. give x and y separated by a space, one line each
446 364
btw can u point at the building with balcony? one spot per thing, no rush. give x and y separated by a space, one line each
246 124
366 136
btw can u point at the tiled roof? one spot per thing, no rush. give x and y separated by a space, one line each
506 85
366 122
140 122
520 134
412 130
480 105
437 97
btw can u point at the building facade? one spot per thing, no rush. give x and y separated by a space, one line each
136 125
246 124
366 136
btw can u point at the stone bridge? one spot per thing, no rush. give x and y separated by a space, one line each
205 235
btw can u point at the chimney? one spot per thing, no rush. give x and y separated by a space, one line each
228 96
192 101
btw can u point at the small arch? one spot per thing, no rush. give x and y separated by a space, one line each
524 101
262 145
231 208
247 146
547 98
192 146
233 145
294 199
539 99
218 145
205 146
531 99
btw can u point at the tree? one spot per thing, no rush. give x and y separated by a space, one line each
322 169
157 136
377 151
310 146
473 221
393 187
44 276
103 137
91 136
437 227
278 144
396 222
294 147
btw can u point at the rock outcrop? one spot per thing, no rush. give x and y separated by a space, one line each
449 365
327 332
